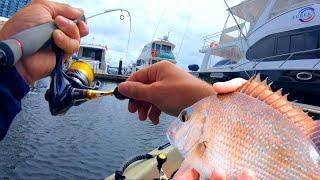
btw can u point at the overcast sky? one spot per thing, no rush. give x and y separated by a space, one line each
206 17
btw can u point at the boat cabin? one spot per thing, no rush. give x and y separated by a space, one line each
278 39
266 30
95 55
156 51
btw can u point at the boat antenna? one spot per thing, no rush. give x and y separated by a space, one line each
163 12
229 9
185 32
121 18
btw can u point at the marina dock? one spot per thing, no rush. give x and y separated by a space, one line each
111 77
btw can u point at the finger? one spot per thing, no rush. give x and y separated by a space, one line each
83 28
135 90
154 115
147 75
68 27
229 86
133 106
66 43
190 174
218 174
143 111
247 175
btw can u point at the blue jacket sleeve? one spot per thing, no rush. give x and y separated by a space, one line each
12 89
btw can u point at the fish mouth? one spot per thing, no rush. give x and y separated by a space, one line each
177 138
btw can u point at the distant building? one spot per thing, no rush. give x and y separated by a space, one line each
9 7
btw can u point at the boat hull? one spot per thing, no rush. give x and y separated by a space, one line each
302 85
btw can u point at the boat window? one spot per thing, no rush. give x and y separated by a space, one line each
224 62
158 46
153 45
166 48
263 48
311 40
303 42
92 53
297 43
140 62
283 45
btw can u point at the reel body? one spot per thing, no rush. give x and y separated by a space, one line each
68 88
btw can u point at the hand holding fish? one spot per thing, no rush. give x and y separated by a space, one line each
164 87
252 128
218 174
66 37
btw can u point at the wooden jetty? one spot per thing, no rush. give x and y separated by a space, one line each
111 77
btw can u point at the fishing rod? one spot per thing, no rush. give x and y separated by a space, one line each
121 18
70 88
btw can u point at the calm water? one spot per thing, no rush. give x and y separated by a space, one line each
89 142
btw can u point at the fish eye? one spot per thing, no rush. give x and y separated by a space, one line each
185 114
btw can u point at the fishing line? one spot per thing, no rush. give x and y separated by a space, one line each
122 17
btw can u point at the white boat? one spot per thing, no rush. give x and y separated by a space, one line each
156 51
94 55
277 38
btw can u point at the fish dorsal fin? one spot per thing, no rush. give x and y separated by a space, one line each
261 90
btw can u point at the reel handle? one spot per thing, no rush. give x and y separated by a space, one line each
118 95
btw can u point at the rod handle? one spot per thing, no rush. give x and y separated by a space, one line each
29 41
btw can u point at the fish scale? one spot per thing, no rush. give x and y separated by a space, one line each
254 129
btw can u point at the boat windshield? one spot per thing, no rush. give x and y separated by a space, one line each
157 47
166 49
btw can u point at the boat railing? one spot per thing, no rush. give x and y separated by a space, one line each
211 40
290 55
227 35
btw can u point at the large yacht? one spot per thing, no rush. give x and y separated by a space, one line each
156 51
277 38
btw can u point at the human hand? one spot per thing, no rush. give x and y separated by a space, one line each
217 174
66 37
163 87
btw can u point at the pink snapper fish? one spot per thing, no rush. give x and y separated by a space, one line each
253 128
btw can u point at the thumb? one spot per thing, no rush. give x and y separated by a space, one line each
135 90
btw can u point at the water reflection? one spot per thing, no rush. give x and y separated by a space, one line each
89 142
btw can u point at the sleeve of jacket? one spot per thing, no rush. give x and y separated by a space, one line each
12 89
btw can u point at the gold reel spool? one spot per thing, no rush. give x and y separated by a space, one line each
83 67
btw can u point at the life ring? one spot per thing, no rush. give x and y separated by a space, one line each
154 53
213 44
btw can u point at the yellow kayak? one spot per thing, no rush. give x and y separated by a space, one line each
148 168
